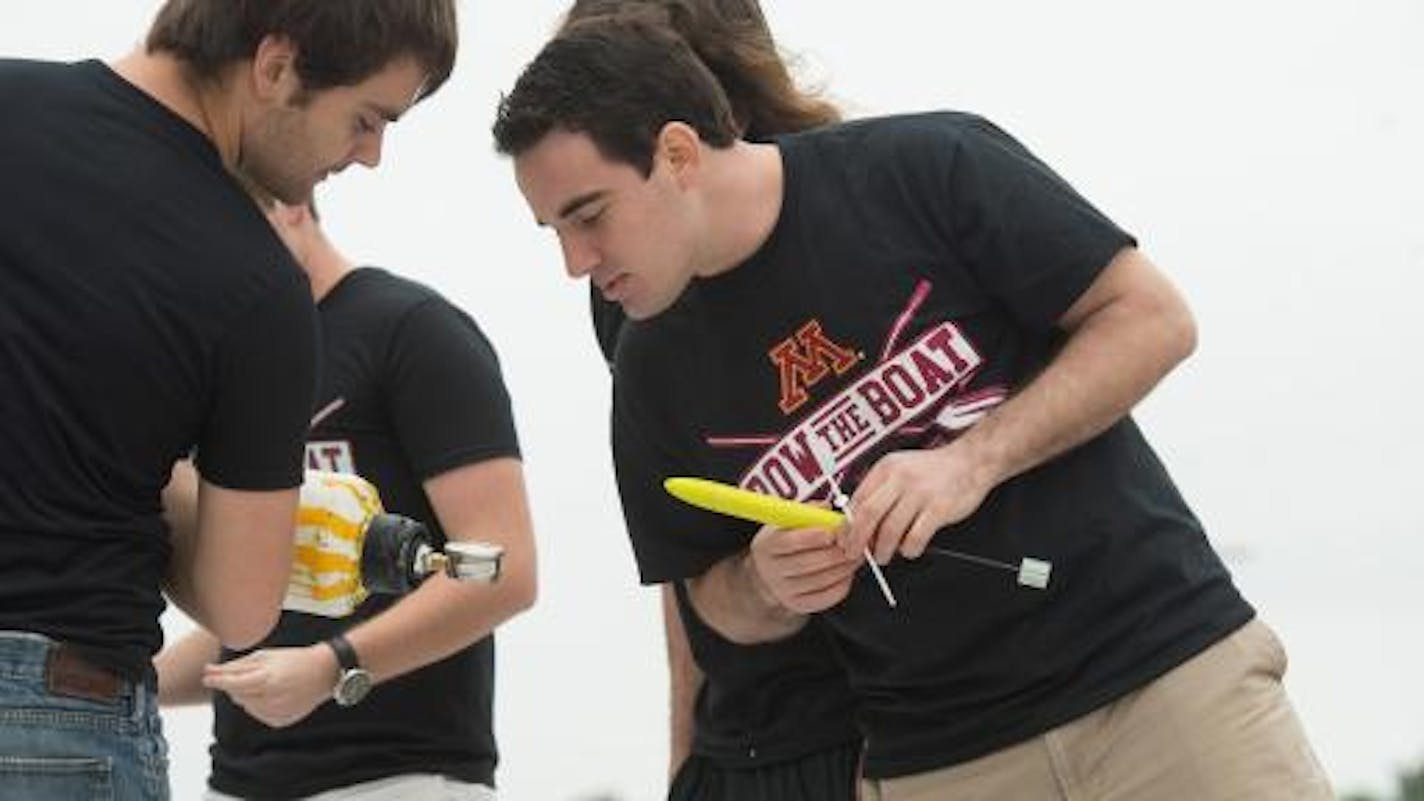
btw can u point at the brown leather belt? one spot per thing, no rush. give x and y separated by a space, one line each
69 674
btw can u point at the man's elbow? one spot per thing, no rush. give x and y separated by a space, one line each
1179 333
521 590
247 628
1160 325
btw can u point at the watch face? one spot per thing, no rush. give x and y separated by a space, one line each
352 687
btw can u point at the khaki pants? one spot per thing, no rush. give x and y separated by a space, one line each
1217 727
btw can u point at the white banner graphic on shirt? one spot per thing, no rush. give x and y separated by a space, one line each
331 456
911 384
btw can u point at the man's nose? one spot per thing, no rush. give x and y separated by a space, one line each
580 258
368 148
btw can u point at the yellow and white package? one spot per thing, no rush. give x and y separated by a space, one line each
333 516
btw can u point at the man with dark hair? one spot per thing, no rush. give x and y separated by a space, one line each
341 44
418 407
919 308
151 313
291 91
770 721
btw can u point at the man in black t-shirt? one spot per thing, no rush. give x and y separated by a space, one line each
962 336
412 399
150 314
767 721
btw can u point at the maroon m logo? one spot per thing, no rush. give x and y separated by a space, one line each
804 360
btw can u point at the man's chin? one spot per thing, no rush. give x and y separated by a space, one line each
634 310
291 193
296 195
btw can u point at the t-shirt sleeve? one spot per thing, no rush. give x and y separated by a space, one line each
671 540
1026 236
445 392
265 382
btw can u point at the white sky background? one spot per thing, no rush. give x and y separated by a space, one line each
1267 155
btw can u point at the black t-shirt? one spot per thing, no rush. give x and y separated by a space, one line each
766 703
608 321
409 389
148 310
912 283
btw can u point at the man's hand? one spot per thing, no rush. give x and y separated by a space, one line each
802 570
909 495
278 686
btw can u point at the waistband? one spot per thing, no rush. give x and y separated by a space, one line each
63 669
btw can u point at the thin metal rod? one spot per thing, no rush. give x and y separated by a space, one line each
969 557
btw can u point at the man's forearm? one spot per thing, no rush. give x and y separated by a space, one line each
684 682
481 502
437 620
732 599
180 669
180 512
231 554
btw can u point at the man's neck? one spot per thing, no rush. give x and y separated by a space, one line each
207 107
745 189
325 267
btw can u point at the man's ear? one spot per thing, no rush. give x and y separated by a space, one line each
680 148
274 70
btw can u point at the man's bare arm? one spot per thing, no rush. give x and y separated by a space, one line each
1127 331
684 682
232 554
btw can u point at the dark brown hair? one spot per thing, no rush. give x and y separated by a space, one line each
339 42
733 40
619 80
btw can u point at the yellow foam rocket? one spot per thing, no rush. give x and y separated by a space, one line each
768 510
773 511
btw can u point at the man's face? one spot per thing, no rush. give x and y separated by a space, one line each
631 236
297 141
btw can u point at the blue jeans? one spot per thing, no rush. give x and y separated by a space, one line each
55 747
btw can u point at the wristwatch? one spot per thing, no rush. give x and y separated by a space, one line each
354 681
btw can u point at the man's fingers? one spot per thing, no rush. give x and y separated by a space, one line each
245 683
821 580
806 563
244 664
867 515
825 591
785 542
919 535
893 527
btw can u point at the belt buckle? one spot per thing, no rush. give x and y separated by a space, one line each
69 674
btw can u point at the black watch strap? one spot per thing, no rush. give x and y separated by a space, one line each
345 654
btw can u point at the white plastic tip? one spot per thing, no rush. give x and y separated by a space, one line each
473 561
1034 573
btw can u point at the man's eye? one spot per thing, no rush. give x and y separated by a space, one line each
364 125
589 220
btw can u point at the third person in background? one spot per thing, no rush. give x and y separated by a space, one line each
412 399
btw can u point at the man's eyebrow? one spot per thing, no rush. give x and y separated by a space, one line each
387 113
581 201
